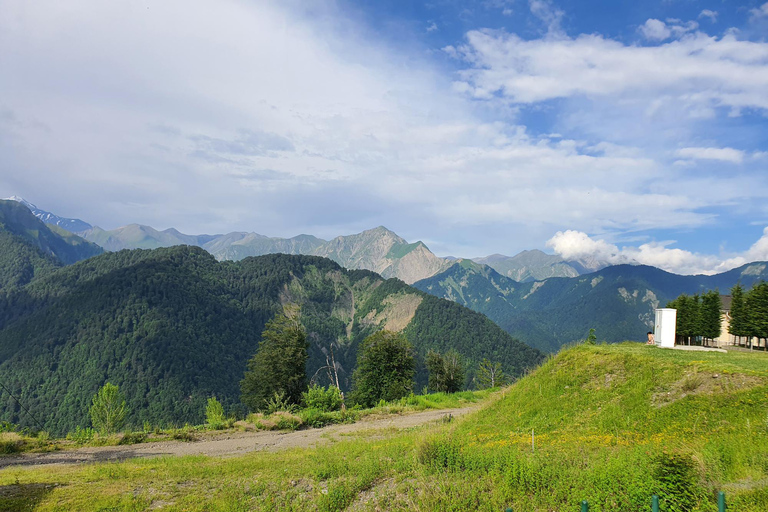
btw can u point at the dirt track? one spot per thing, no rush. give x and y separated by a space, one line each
230 444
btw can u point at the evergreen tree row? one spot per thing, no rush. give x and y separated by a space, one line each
749 314
698 317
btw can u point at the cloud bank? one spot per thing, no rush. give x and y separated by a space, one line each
574 245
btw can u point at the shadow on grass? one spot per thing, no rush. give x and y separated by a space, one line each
23 497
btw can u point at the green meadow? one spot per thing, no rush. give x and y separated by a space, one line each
610 424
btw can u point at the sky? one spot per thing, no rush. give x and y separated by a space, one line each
624 130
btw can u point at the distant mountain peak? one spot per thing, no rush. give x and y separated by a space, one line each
71 225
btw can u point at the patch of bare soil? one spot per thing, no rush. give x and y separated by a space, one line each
704 383
237 443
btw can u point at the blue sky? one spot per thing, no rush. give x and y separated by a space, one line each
620 130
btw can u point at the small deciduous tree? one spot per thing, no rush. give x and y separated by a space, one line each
279 365
214 413
490 375
385 368
108 409
446 371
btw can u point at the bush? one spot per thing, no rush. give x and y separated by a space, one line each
326 400
286 421
279 402
679 482
10 442
214 414
82 435
316 418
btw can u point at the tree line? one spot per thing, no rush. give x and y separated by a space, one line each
749 314
385 370
699 317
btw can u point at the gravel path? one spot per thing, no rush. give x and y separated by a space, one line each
231 444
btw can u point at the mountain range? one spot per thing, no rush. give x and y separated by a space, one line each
618 301
173 326
539 298
378 249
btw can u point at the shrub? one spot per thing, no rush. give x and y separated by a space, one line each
315 418
82 435
279 402
10 442
214 414
326 400
678 481
284 420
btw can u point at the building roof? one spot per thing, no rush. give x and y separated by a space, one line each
725 301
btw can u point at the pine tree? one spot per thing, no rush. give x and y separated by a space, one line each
711 313
279 365
738 323
757 311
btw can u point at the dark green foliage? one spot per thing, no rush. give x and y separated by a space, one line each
591 337
688 321
711 315
385 369
441 325
172 327
738 325
757 310
446 371
279 365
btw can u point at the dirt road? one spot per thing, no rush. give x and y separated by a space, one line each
232 443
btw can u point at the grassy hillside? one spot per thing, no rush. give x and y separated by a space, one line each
613 425
172 327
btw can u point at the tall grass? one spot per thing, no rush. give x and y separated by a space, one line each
613 425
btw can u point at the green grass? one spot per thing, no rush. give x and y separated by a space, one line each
612 424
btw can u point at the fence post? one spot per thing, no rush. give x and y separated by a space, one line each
655 503
584 506
721 501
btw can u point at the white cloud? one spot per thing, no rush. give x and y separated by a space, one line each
572 245
550 15
655 30
723 154
696 70
432 27
759 12
706 13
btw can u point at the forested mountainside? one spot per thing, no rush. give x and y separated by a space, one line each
617 301
30 248
174 326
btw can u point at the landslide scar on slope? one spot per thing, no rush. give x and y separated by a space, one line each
397 314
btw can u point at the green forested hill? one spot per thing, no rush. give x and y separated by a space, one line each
29 248
617 301
173 327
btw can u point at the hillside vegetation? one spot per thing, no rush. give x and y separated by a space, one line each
613 425
617 301
173 327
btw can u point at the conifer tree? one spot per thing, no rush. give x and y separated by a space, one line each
279 365
711 313
738 323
